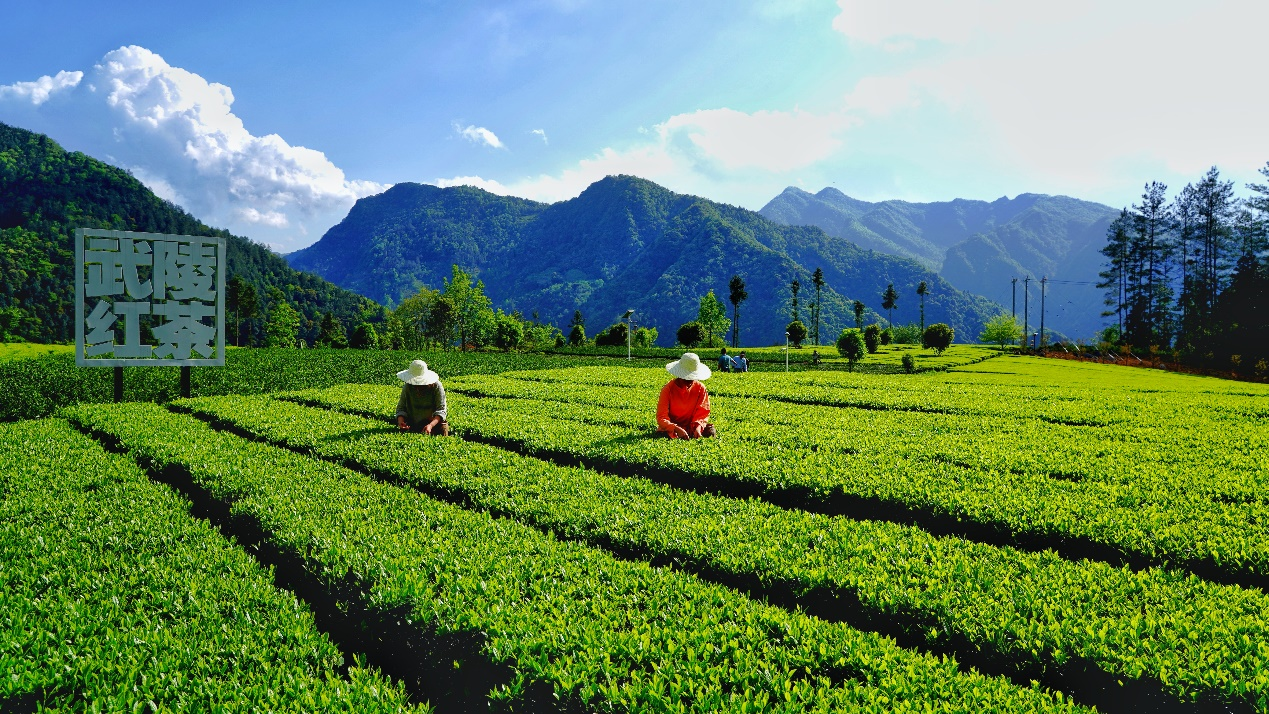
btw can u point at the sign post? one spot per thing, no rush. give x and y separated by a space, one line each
149 300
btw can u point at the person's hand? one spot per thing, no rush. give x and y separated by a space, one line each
428 429
680 432
697 430
401 423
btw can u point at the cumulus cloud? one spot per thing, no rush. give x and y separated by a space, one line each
479 135
721 153
1082 97
487 184
39 91
178 134
775 141
891 23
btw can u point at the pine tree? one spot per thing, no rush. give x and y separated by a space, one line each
1214 204
922 290
1149 294
1114 278
1186 221
736 294
817 279
889 299
795 286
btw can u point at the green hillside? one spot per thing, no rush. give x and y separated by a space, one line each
977 246
47 192
623 243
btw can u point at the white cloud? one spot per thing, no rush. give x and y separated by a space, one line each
767 140
178 134
891 23
541 133
720 153
269 218
480 135
487 184
39 91
1083 97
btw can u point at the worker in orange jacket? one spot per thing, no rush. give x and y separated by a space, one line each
683 410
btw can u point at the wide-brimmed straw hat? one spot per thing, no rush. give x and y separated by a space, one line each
688 367
418 374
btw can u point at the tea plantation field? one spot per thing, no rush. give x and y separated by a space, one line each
1011 535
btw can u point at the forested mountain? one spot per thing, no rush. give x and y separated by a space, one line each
47 192
979 246
623 243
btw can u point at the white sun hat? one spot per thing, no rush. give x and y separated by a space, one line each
688 367
418 374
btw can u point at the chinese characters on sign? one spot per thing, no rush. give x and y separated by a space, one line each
149 299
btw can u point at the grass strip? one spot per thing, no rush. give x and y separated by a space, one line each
1031 614
598 632
1219 540
114 598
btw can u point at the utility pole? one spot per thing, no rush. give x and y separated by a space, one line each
1026 306
1014 306
1043 281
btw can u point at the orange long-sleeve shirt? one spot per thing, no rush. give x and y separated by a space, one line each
686 407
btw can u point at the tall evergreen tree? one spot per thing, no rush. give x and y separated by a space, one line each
242 304
736 294
889 299
1255 235
817 279
1214 206
859 314
1186 223
1149 294
1114 278
795 286
331 333
922 290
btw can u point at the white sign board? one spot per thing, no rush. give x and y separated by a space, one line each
174 285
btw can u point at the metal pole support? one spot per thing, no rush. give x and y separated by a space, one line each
185 382
118 384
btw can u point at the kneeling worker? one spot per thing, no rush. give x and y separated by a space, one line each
684 406
422 403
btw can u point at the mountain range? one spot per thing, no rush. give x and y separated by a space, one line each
47 192
979 246
624 243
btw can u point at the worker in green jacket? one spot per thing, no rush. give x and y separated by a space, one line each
421 406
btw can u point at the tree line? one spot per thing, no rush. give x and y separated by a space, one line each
460 314
1188 275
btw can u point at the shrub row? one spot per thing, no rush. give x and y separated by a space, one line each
35 387
1195 636
603 633
113 598
869 475
1169 456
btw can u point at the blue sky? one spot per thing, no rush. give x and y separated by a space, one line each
270 119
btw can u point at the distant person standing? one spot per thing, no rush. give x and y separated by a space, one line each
815 356
741 362
421 407
725 362
683 410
